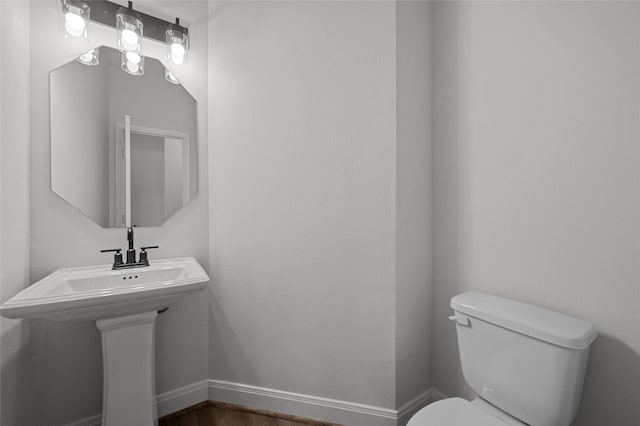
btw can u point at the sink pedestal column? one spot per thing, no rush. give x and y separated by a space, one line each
129 378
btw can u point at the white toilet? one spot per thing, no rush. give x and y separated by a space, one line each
525 363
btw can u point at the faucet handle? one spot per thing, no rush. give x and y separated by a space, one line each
117 258
143 253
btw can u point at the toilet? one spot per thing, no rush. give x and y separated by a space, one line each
525 363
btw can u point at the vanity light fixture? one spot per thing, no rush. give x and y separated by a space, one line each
132 63
130 24
92 57
129 27
168 75
177 43
75 15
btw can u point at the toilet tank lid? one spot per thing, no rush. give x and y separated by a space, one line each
534 321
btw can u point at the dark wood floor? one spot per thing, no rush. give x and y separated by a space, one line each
211 413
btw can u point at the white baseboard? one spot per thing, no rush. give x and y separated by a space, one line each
410 408
436 395
313 407
178 399
166 403
88 421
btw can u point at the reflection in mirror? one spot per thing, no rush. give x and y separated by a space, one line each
88 167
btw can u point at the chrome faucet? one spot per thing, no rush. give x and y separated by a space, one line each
131 254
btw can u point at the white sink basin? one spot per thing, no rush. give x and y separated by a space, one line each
124 304
97 292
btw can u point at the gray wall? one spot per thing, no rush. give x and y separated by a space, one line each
15 373
413 200
303 193
536 168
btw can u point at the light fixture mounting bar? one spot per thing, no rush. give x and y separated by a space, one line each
104 12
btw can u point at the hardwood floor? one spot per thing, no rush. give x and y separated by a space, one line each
211 413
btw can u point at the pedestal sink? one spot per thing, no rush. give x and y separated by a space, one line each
124 304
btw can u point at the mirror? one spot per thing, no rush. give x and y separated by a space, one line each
122 146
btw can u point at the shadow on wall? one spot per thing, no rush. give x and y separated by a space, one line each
228 359
611 393
16 376
69 381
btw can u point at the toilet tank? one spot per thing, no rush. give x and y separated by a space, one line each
526 360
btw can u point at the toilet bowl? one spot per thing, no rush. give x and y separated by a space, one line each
525 363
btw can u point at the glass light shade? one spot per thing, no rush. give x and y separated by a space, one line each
177 46
91 57
75 16
168 75
129 31
132 63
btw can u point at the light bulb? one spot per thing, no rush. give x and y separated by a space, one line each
74 24
133 67
132 63
177 49
129 39
177 53
133 58
130 29
177 44
87 57
90 58
168 75
177 59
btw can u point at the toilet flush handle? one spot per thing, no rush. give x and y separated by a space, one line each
460 320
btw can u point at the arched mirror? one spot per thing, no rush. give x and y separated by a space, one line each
123 147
